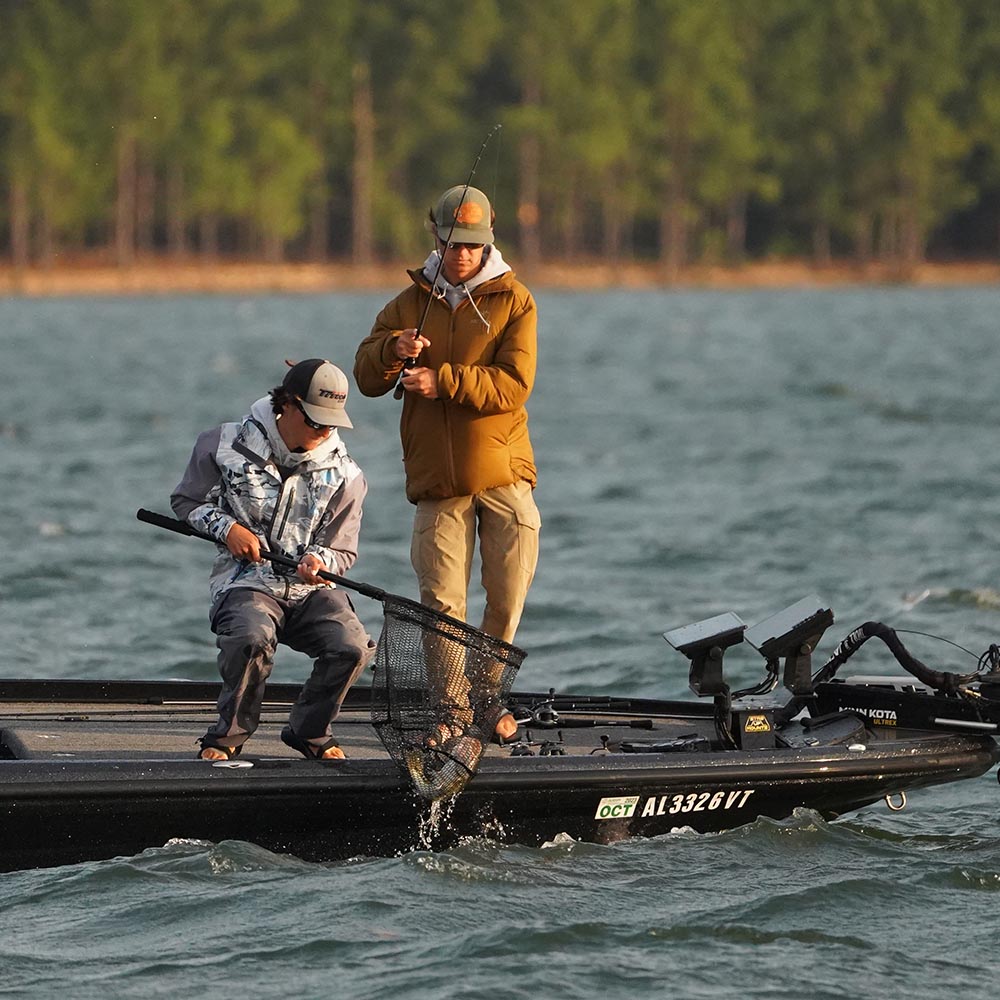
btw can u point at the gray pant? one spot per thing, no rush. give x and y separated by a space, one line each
249 624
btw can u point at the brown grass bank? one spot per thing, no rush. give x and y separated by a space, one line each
161 277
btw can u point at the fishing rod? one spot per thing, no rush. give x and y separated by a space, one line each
183 528
409 363
458 632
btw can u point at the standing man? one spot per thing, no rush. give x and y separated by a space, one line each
280 480
464 428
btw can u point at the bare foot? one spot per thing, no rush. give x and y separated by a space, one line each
442 732
332 753
506 727
214 753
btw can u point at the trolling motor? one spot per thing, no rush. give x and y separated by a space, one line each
937 699
932 699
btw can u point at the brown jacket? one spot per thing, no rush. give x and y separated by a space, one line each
475 435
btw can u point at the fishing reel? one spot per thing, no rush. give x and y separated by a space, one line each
543 715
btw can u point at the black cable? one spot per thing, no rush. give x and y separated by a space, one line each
989 662
766 686
723 718
936 679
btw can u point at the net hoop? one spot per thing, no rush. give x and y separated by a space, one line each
439 687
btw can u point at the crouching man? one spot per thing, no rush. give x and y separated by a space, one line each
280 480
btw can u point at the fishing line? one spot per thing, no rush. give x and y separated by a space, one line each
940 638
496 168
485 314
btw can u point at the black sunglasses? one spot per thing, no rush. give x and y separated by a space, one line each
462 246
309 422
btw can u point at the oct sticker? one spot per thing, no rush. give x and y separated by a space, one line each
620 808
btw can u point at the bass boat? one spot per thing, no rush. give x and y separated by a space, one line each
97 769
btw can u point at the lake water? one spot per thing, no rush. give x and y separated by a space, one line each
699 452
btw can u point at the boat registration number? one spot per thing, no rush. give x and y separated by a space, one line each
627 806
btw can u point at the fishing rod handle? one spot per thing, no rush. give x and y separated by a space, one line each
409 363
183 528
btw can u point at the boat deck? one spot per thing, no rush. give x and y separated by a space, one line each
132 721
97 733
52 720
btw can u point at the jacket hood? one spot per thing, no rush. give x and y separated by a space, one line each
493 267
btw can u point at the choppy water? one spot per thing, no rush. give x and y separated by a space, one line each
699 452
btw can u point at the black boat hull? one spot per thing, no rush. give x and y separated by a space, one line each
55 813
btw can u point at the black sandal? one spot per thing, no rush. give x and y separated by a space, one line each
206 744
314 751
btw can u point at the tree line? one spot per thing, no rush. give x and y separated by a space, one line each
674 131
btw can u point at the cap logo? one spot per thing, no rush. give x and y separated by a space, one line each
330 394
469 213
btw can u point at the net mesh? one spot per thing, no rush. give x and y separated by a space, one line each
440 687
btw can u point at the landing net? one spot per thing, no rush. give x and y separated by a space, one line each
440 687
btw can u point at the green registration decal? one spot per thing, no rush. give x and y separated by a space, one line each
622 807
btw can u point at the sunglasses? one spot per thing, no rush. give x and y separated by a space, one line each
462 246
309 422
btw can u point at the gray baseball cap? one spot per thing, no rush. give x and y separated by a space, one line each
322 390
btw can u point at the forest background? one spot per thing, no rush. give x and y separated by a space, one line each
661 133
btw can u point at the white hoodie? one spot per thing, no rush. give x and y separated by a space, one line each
493 266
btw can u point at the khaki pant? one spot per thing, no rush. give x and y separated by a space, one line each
444 538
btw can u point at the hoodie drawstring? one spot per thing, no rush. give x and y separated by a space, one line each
472 302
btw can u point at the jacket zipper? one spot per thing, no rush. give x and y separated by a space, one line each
281 528
284 519
453 485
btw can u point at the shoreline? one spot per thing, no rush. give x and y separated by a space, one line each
165 278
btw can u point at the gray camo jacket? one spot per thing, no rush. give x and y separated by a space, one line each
295 503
